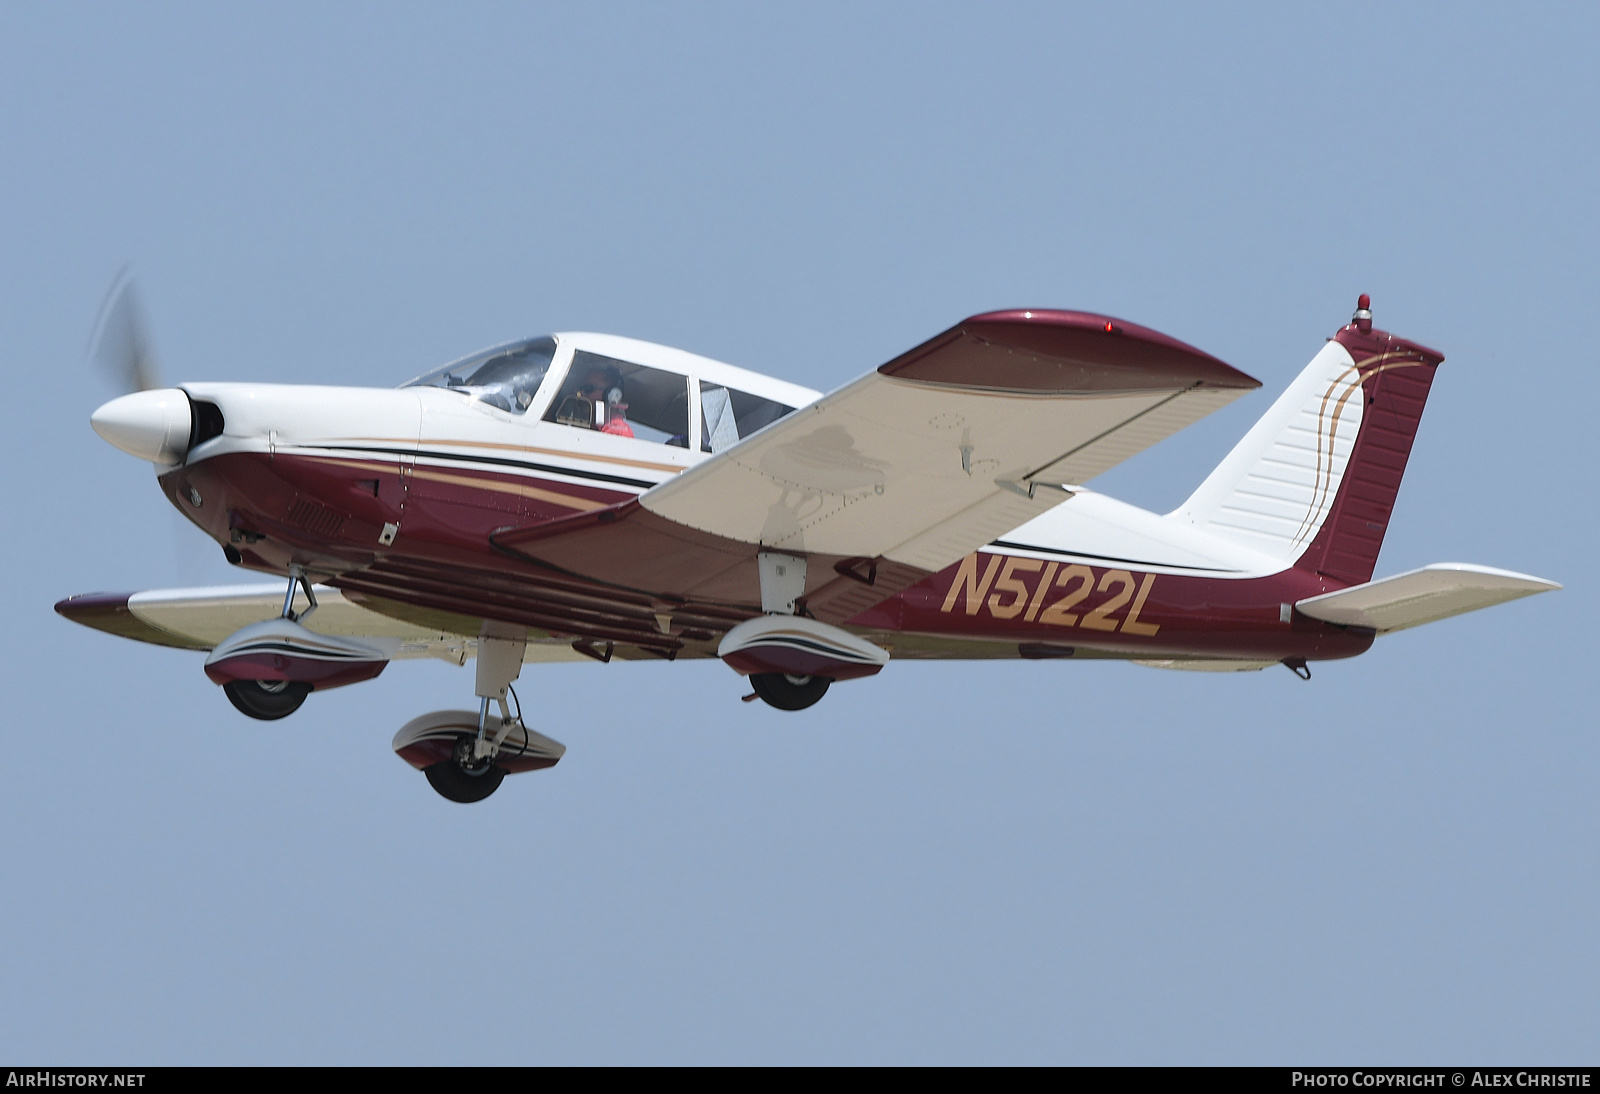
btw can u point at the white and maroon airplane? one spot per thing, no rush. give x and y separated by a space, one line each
588 496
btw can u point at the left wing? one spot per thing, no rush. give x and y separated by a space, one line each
905 470
955 442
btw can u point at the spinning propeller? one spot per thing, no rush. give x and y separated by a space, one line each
121 341
151 421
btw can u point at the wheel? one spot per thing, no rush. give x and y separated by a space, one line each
789 692
462 778
268 700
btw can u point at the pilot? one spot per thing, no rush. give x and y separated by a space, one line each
605 385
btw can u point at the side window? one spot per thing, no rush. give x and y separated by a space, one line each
623 399
728 416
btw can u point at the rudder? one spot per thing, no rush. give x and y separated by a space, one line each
1314 481
1395 376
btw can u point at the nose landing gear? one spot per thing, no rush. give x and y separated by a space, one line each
443 746
465 754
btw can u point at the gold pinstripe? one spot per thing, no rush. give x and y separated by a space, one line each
1327 430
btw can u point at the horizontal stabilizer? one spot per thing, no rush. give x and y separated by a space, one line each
1422 596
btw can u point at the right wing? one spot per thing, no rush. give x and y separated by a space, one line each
200 618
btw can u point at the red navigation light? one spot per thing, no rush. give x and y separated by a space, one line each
1109 328
1363 316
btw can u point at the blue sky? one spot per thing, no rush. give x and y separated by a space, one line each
1021 862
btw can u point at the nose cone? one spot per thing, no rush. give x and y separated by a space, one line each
153 425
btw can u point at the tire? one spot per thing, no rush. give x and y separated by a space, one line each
267 700
462 778
457 785
789 692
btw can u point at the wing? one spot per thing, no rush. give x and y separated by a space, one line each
199 619
961 439
907 469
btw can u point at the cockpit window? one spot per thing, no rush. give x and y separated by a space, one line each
506 377
728 416
623 399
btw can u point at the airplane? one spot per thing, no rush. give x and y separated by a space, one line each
586 496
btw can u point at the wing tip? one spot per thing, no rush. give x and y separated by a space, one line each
110 612
1047 351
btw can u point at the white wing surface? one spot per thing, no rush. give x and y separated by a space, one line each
956 442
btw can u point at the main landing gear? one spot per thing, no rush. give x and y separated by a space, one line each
269 700
267 669
790 659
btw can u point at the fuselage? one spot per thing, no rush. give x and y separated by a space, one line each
396 496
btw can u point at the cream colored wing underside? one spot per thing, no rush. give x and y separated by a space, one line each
206 616
918 473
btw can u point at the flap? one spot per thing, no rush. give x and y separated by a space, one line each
1422 596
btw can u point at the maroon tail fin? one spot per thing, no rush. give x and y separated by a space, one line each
1395 378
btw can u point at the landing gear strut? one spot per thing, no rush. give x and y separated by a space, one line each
783 582
471 773
269 700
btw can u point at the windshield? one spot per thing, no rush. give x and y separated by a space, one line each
506 376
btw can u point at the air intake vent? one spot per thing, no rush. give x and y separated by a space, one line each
316 518
205 422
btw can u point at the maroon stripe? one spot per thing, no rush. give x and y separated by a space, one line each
109 612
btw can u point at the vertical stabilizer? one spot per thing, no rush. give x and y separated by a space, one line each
1314 481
